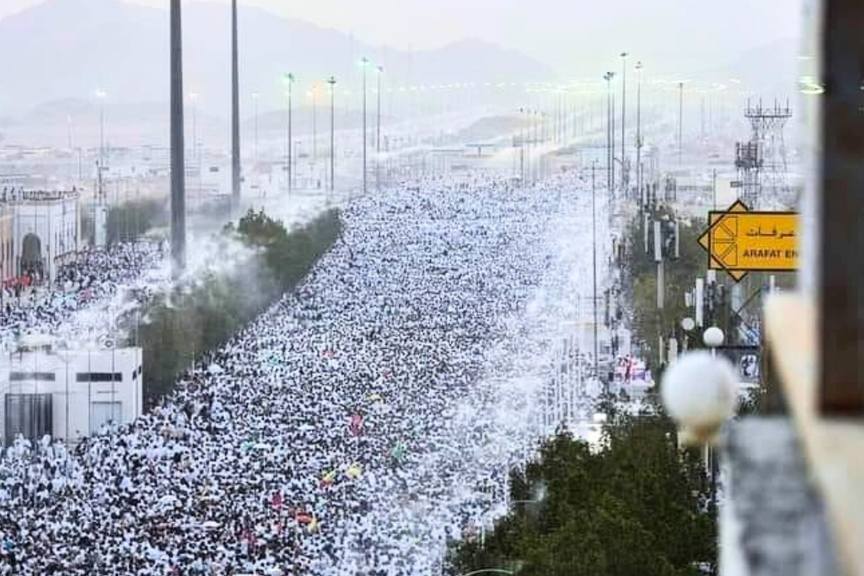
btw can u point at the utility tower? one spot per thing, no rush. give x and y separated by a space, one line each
761 162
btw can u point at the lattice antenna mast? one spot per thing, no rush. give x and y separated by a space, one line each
764 150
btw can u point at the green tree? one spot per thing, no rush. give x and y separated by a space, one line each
181 326
637 506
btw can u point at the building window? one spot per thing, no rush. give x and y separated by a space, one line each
28 415
21 376
98 377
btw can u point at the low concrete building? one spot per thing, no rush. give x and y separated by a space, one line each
68 394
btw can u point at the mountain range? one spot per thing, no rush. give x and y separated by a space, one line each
63 49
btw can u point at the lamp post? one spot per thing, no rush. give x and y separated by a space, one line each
193 99
639 132
178 161
101 95
680 118
610 168
594 263
687 325
378 134
255 97
332 82
313 96
713 337
100 164
623 119
364 62
289 81
522 147
235 112
536 141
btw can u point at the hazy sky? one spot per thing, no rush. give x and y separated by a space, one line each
549 30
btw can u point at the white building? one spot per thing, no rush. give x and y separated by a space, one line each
68 394
45 230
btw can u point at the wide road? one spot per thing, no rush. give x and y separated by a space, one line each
357 424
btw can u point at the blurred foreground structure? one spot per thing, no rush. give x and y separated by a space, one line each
795 506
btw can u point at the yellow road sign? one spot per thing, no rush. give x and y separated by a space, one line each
740 241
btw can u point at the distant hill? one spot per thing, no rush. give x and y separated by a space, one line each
491 128
67 49
769 70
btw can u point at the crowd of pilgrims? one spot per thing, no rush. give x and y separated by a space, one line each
95 275
325 436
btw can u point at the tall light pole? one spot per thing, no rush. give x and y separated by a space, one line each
314 95
639 132
289 81
610 167
594 260
178 165
623 119
680 118
100 165
364 63
332 82
255 97
378 134
522 147
193 99
101 95
612 135
532 150
235 112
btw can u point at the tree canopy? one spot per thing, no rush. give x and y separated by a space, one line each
637 506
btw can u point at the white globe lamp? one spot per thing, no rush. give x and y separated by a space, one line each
700 393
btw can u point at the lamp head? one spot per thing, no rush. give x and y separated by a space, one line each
700 393
713 337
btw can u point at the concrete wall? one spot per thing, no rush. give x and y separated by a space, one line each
77 406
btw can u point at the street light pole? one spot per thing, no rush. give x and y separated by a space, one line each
522 147
639 132
332 82
100 164
178 164
193 99
594 260
101 96
235 112
289 79
364 62
378 135
612 134
255 97
623 119
314 125
532 147
680 117
610 165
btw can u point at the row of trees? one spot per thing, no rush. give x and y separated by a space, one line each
127 221
181 326
637 506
